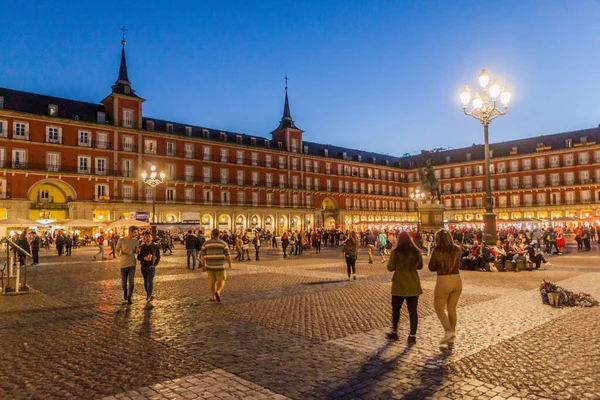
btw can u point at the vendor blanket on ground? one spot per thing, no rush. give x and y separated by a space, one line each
555 295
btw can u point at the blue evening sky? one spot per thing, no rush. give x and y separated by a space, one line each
382 76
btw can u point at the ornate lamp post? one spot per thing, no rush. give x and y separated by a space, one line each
485 111
153 181
418 197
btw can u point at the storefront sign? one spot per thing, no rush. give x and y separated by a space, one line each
142 216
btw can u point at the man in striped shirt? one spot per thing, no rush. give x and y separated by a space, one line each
213 254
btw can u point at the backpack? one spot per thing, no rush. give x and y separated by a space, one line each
351 252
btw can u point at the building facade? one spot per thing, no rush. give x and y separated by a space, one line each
63 159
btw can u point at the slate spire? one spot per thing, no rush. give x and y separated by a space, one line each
286 120
123 77
123 85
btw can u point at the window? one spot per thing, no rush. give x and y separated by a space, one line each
308 183
188 131
150 125
128 143
188 150
583 158
501 168
206 153
170 195
569 178
281 181
224 175
53 162
584 177
149 192
268 161
570 197
239 156
254 178
294 164
128 118
540 163
328 168
255 198
282 199
527 181
101 140
514 182
328 184
170 149
127 168
269 180
554 162
514 166
241 197
2 158
540 180
317 184
456 172
515 200
295 182
84 164
295 200
127 193
207 195
586 196
541 199
281 162
225 198
254 158
3 127
555 198
102 192
53 134
528 199
84 138
568 159
294 145
206 174
240 178
188 172
100 166
597 156
554 179
150 146
527 164
224 155
169 128
308 165
189 195
21 130
340 169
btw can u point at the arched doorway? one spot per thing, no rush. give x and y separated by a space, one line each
224 222
255 222
206 222
269 223
296 223
49 199
282 224
240 223
329 223
329 204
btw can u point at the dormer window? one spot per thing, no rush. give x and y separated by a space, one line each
267 143
583 140
53 110
447 159
188 131
373 160
253 141
1 102
541 144
343 155
150 125
468 156
223 136
280 145
491 153
387 162
127 89
325 152
305 150
169 128
101 117
359 158
238 139
569 143
205 133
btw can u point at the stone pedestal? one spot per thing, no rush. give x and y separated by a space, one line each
432 216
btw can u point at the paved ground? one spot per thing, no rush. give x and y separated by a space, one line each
293 328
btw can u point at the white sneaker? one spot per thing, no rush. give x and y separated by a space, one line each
548 264
449 336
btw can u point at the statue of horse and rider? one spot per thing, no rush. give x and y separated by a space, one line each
429 183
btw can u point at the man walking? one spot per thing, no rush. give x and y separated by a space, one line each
149 256
382 243
100 241
191 243
35 247
60 243
214 253
128 249
256 243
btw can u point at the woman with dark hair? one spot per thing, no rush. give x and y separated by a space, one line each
404 262
445 260
350 253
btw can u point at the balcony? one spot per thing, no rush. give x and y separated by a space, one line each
125 146
101 144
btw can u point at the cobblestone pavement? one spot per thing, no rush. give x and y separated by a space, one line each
293 328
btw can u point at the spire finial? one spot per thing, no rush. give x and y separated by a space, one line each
123 42
286 80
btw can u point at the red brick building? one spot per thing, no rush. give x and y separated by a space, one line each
63 159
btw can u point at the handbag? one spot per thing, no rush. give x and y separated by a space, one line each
246 247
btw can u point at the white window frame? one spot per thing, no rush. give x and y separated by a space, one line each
3 128
88 163
88 138
57 130
22 127
128 118
101 140
127 143
150 146
101 169
127 193
52 166
189 195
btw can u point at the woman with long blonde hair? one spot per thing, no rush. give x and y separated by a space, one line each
445 260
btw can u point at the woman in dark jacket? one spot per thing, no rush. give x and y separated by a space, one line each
149 256
350 253
405 260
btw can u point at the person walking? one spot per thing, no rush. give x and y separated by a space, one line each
445 260
68 245
246 247
23 243
350 254
100 241
405 260
274 241
285 241
381 244
370 241
60 243
214 253
239 248
200 239
256 243
35 247
191 244
149 257
128 248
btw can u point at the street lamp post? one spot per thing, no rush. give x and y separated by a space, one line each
486 111
418 197
153 180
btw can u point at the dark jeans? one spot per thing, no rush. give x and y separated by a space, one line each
148 274
411 303
127 274
59 249
257 248
68 250
350 265
318 247
191 253
538 260
35 253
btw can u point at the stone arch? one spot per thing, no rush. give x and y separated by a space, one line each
224 222
255 222
65 190
270 223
